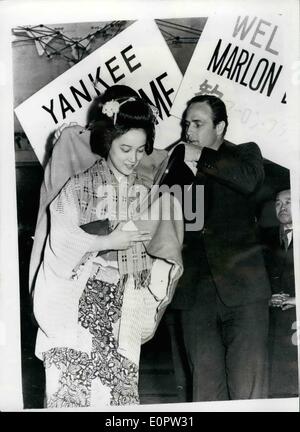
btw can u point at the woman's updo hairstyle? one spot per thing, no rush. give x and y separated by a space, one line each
114 113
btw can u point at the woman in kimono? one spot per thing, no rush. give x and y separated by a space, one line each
105 276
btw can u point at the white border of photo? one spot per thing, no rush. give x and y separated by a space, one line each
14 13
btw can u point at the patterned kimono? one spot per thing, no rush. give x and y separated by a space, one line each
95 310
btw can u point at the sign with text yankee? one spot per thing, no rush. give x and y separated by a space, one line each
242 60
134 58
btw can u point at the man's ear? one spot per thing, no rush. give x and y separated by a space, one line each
220 128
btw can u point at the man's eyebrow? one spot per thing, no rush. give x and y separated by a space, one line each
278 200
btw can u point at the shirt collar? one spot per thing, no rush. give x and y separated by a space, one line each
285 231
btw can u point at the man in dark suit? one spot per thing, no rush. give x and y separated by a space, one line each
280 265
222 297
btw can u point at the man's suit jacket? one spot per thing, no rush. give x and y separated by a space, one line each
225 256
283 354
279 262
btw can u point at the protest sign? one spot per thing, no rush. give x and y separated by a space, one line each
133 57
242 59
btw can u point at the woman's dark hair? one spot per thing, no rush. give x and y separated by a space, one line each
134 113
217 106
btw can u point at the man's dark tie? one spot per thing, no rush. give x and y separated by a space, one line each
284 238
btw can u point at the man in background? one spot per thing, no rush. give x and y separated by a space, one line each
280 266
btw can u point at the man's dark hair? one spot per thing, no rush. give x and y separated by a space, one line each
217 106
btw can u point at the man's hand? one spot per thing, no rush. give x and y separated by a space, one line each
58 131
282 300
289 303
192 152
277 299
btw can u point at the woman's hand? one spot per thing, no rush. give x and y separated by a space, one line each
120 240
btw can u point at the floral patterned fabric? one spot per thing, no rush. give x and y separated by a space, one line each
75 371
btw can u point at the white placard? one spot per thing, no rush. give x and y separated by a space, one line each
242 59
138 57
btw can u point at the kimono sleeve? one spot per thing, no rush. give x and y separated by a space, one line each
70 245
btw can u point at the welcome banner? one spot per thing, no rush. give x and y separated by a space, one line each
242 60
138 57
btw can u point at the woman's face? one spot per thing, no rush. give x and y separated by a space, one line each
127 150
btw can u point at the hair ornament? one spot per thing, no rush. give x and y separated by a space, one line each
112 107
155 112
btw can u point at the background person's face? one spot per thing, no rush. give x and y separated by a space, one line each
283 207
127 150
199 127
